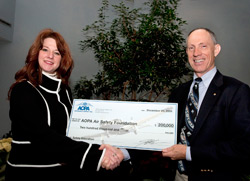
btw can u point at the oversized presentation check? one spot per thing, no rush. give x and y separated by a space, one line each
124 124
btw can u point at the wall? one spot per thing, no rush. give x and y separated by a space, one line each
228 18
7 14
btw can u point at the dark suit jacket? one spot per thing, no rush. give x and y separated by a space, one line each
220 143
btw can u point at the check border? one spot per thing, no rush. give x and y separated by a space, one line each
104 121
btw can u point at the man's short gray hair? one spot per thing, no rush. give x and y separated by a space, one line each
212 34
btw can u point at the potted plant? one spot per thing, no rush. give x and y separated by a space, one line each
141 52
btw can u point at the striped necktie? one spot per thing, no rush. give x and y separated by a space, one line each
192 106
190 119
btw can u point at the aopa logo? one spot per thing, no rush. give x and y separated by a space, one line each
85 107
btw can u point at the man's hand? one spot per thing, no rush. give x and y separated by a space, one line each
175 152
112 158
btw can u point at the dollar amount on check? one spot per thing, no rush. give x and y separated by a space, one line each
124 124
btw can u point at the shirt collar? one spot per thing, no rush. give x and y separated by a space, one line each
207 77
50 83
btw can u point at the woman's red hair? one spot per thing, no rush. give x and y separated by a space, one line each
31 70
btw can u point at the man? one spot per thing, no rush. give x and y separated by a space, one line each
214 133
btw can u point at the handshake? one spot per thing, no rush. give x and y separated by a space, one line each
112 158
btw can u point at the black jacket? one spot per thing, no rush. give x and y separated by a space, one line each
220 142
40 117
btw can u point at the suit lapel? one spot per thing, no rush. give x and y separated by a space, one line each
212 94
182 105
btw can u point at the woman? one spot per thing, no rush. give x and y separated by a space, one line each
40 105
